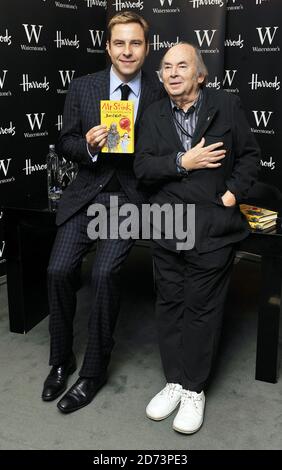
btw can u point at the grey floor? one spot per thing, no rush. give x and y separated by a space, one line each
241 413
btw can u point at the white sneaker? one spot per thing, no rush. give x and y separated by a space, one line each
190 416
165 402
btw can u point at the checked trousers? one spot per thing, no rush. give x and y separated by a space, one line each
71 245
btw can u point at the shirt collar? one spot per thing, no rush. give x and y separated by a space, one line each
134 84
195 106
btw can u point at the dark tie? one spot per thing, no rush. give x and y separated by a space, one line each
125 90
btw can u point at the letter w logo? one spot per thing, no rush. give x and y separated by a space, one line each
2 248
97 37
267 33
229 77
4 167
35 120
162 2
2 80
66 77
205 36
33 32
260 116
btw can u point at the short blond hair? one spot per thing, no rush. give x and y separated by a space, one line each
125 18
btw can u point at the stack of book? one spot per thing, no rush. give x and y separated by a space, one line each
259 218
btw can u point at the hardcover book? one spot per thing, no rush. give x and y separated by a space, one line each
257 214
258 217
118 116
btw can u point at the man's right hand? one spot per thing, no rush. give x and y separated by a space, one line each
203 157
96 138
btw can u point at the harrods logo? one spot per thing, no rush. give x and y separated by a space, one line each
4 169
205 3
96 3
35 121
167 6
28 84
206 36
6 38
232 5
126 5
262 118
216 84
268 163
66 42
266 36
97 41
59 123
31 168
157 44
239 42
257 83
2 83
10 130
69 5
33 33
66 78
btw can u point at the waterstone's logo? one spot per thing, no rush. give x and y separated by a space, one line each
266 36
35 121
262 119
97 37
33 33
167 6
205 38
66 77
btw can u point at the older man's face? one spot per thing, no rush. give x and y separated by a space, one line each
179 72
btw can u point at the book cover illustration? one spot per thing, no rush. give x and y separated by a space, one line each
118 116
258 217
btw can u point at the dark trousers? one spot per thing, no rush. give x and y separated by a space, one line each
71 245
191 291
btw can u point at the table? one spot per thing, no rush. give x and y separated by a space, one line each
30 232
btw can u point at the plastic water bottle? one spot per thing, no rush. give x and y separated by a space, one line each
54 177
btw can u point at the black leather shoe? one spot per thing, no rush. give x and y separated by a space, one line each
56 382
80 394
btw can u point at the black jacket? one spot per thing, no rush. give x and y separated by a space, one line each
81 113
221 118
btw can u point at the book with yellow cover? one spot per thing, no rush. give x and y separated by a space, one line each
257 214
263 225
118 116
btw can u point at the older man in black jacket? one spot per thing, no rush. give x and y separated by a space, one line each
195 148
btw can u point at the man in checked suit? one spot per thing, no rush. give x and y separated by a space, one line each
99 177
195 147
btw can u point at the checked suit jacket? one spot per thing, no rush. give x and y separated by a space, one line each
81 113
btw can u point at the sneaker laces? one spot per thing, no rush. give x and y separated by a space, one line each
170 389
187 395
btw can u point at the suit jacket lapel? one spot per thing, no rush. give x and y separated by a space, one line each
207 113
100 90
168 128
149 93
